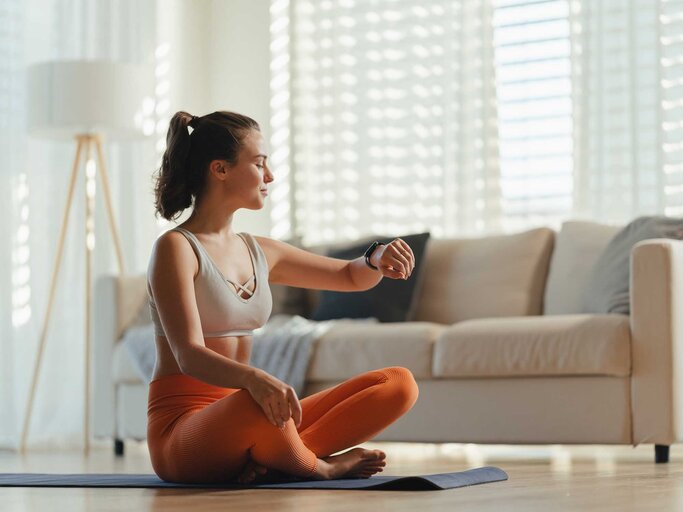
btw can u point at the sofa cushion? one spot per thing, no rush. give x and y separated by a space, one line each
578 246
391 300
538 345
347 350
608 284
485 277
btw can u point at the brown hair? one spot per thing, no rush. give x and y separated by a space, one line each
185 163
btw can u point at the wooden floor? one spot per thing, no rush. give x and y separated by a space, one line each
541 478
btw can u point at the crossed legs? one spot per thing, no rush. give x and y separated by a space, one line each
214 444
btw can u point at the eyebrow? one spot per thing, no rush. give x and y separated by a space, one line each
261 155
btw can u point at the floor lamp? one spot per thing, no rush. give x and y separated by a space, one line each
85 100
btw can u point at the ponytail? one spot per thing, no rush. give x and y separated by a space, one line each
172 192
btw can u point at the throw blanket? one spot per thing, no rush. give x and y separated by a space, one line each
282 347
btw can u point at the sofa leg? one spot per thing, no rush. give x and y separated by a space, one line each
118 447
661 453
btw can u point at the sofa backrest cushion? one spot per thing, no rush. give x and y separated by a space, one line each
578 245
608 288
493 276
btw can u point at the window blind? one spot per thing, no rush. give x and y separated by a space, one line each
533 76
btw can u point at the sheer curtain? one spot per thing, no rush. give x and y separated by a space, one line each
33 184
626 88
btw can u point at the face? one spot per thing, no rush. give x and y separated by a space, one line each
248 179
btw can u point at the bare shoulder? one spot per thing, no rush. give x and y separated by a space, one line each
172 253
271 248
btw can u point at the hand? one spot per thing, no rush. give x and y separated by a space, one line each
277 399
395 259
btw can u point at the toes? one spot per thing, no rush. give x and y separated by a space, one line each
374 455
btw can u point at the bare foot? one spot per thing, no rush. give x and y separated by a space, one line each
355 463
251 472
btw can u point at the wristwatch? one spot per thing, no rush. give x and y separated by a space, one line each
369 252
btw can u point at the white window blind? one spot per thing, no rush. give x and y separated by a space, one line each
533 76
380 110
469 117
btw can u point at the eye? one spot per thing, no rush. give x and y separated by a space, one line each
260 166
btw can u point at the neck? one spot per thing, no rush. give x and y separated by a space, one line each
212 222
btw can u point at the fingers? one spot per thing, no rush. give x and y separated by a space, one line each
297 412
408 252
402 254
284 406
271 414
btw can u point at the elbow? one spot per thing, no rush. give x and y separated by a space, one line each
352 285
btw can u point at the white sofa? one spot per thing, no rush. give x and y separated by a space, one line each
497 343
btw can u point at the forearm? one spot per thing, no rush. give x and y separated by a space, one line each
363 276
209 366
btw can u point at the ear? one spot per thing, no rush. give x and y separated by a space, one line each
219 168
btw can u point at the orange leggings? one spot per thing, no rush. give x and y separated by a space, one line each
200 433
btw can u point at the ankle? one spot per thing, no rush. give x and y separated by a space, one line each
323 470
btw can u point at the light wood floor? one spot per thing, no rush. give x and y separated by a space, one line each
541 478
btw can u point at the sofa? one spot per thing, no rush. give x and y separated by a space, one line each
498 343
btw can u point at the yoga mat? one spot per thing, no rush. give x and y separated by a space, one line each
436 481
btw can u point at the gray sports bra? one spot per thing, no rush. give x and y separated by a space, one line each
223 312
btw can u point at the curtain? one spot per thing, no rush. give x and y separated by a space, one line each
33 183
621 75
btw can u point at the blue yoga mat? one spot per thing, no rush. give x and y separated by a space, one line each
437 481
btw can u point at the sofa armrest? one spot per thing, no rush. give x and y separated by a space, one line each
656 292
118 303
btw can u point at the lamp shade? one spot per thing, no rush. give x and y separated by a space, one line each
77 97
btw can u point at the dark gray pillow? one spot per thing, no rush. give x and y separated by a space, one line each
392 300
608 287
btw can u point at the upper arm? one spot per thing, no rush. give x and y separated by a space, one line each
292 266
173 266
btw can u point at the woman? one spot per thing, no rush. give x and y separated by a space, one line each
211 416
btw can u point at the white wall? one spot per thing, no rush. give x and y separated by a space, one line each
219 59
239 77
182 25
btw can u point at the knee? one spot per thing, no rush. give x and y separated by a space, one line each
403 385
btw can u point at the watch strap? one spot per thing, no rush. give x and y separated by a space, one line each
368 254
